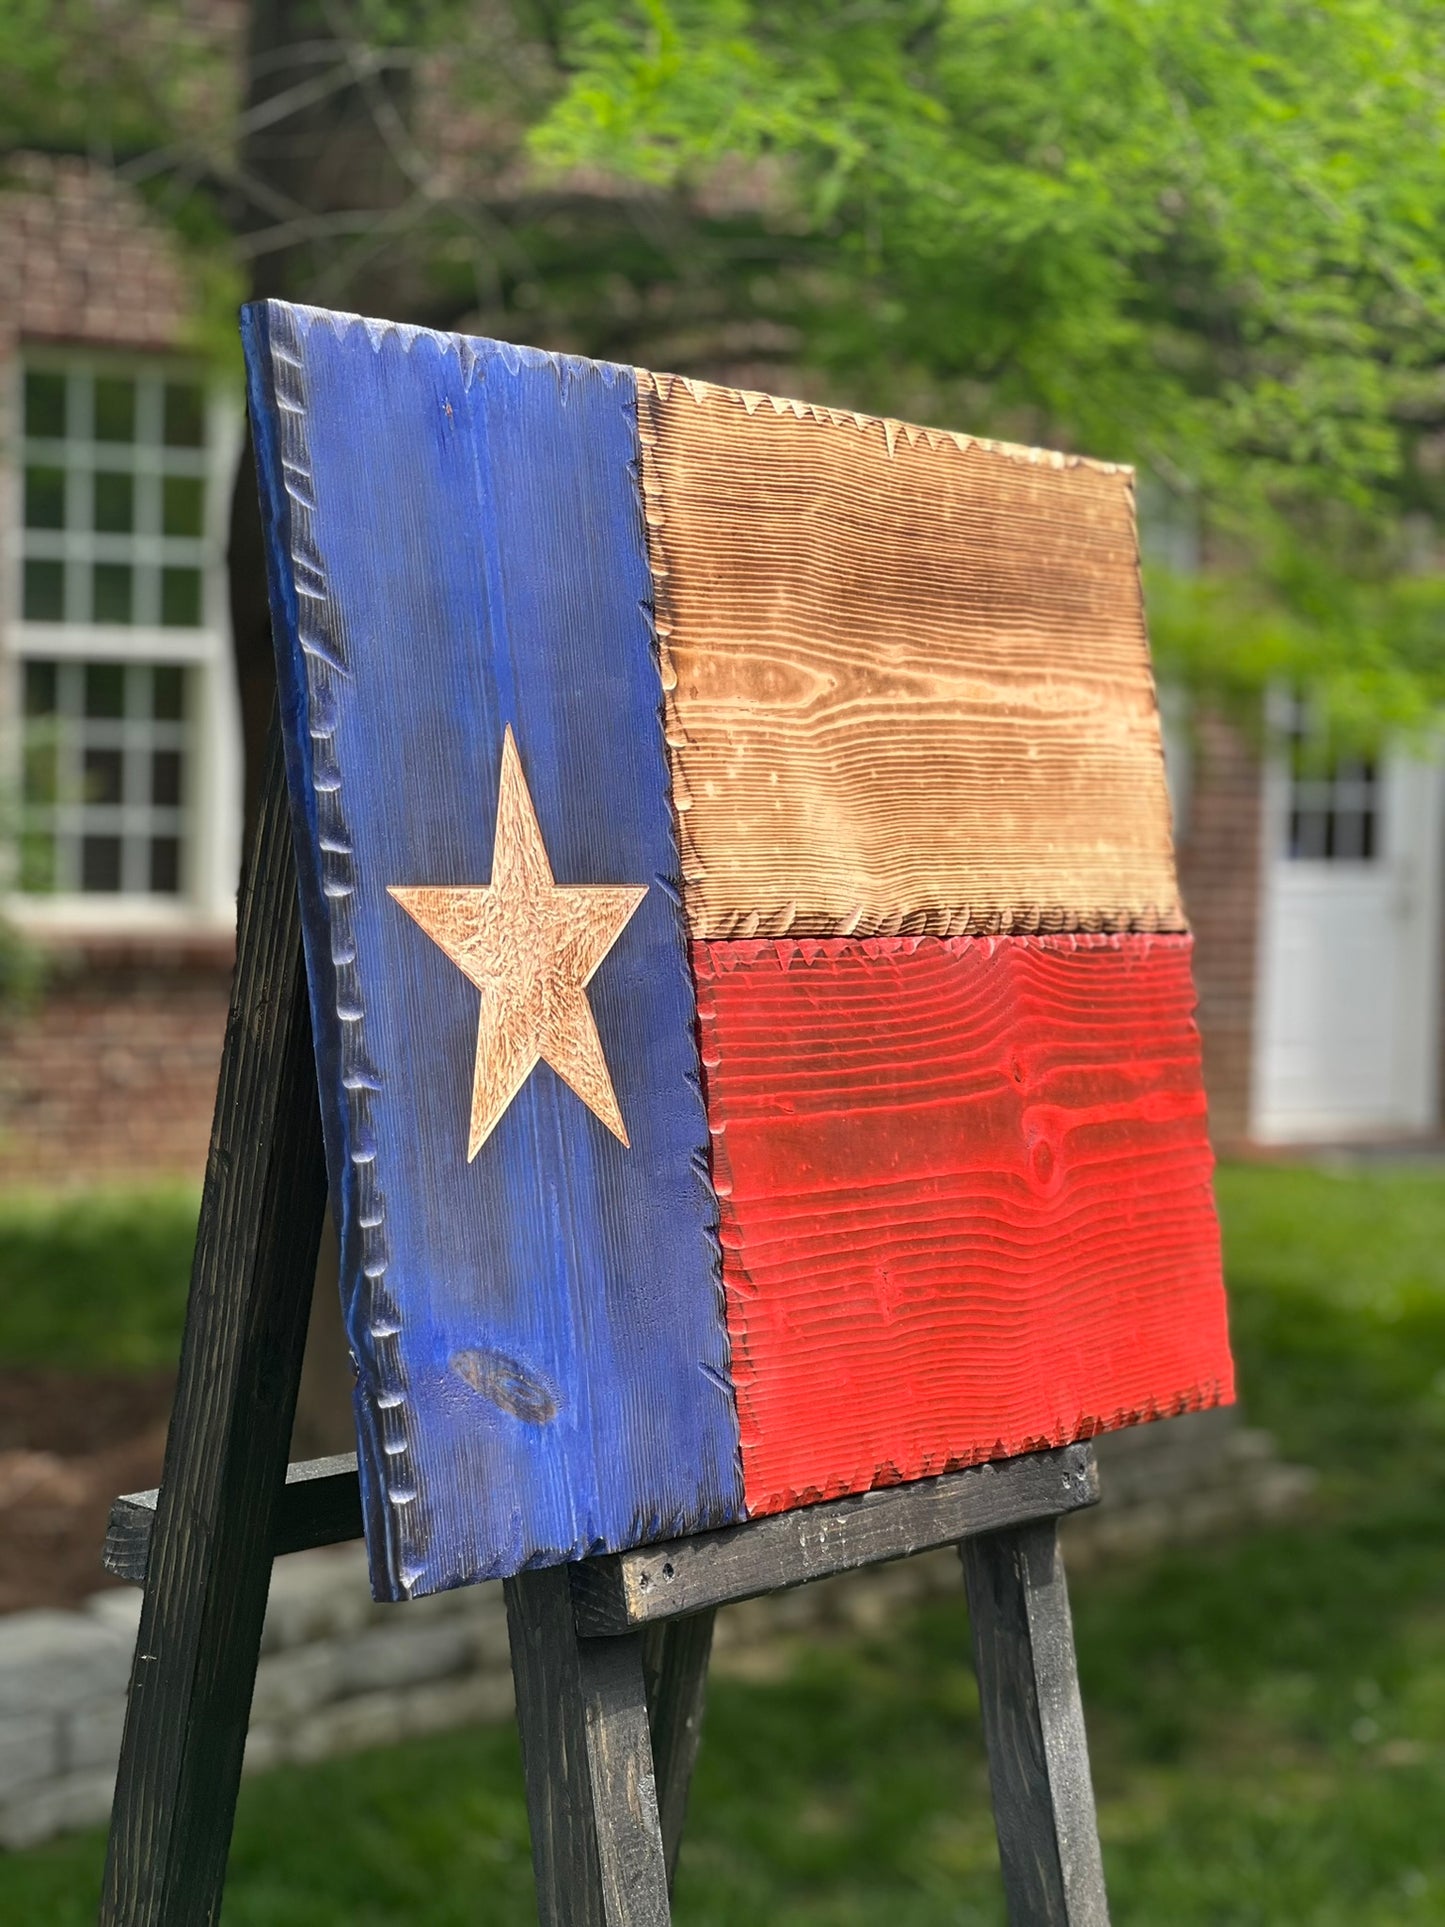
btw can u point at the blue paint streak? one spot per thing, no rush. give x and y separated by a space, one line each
477 530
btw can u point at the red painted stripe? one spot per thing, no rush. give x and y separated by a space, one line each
965 1194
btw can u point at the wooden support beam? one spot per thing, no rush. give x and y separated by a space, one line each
675 1657
319 1506
597 1848
209 1556
623 1590
1033 1725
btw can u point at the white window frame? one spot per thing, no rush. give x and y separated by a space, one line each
214 772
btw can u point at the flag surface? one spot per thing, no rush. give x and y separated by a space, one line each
752 1000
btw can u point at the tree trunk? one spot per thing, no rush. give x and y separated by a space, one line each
324 156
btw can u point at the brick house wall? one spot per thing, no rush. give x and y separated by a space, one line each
113 1073
1220 850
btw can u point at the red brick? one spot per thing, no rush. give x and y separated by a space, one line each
114 1072
1219 869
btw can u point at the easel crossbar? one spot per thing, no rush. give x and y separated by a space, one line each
619 1592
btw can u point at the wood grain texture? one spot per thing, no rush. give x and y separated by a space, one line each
221 1487
1033 1726
597 1847
630 1847
965 1195
457 548
908 681
675 1655
652 1584
552 1728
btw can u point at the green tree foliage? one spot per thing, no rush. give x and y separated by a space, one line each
110 78
1203 237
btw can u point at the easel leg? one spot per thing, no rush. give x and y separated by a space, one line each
1033 1724
587 1759
675 1657
210 1557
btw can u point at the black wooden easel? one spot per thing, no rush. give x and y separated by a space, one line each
610 1656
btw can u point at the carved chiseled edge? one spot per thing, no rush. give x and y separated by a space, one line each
892 431
656 615
662 621
945 921
321 637
472 352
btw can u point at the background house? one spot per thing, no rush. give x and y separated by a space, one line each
1315 894
122 764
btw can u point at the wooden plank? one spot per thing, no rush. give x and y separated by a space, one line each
1033 1722
529 1257
675 1659
215 1523
908 681
616 1593
320 1505
965 1197
597 1847
552 1726
619 1760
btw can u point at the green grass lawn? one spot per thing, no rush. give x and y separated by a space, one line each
1267 1715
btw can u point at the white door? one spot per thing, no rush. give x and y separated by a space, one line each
1346 1035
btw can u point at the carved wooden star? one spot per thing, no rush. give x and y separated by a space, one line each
530 946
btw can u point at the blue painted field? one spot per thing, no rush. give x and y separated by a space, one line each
457 548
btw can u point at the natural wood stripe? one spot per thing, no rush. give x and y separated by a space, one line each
908 685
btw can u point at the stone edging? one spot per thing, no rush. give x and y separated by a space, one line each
339 1674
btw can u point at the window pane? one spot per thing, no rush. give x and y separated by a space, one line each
1309 834
181 598
44 404
104 775
1349 835
111 592
105 689
1334 801
185 415
102 778
168 693
45 498
44 591
115 409
37 860
183 505
40 689
166 865
100 863
166 779
114 504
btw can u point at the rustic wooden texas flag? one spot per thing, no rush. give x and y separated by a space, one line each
751 994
